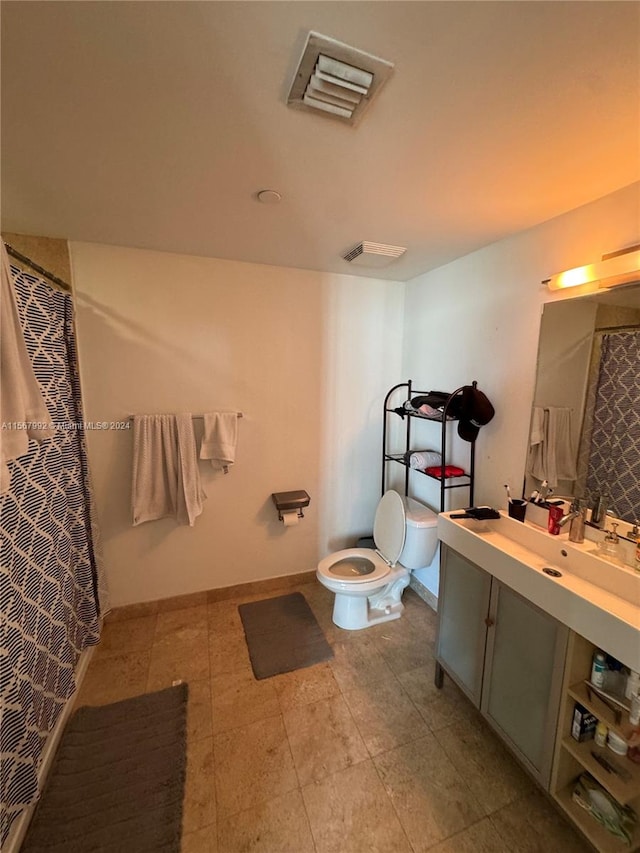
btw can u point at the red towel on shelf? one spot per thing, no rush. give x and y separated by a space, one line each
449 471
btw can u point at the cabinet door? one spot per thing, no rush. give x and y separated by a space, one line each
523 677
462 612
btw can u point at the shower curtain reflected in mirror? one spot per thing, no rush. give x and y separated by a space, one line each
612 424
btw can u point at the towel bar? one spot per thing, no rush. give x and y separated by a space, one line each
194 417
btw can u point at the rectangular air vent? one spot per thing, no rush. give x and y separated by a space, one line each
335 79
368 254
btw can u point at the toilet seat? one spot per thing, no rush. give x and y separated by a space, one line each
335 567
390 526
367 583
363 568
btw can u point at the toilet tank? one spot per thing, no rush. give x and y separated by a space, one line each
421 539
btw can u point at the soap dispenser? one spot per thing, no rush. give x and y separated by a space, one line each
610 544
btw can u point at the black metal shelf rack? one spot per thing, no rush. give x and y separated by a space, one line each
461 482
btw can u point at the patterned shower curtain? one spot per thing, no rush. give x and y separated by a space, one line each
48 570
614 458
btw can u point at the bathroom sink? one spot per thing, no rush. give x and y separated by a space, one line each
584 560
572 582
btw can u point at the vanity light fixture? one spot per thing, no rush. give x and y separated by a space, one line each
615 268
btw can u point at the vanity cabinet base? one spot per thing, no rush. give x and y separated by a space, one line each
525 672
506 654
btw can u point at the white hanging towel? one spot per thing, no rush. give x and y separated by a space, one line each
23 412
560 452
535 460
551 454
166 479
537 426
219 439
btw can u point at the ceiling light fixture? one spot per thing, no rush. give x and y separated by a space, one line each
367 254
616 268
336 79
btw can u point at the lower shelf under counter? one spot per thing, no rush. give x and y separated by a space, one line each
623 791
590 827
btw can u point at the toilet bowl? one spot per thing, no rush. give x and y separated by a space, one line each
368 584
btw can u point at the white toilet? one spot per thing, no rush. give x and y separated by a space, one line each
368 584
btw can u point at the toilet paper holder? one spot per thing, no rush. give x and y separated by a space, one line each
288 501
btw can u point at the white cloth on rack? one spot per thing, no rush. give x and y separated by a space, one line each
421 459
166 479
552 458
219 439
23 411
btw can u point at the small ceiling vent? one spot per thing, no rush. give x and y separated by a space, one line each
336 80
367 254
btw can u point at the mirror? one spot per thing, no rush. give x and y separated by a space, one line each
585 426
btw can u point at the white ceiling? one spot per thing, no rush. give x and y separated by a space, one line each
153 124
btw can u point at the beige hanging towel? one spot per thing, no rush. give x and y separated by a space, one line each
219 439
561 457
551 453
535 459
23 412
166 479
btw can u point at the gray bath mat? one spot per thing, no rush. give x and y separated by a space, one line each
117 782
282 635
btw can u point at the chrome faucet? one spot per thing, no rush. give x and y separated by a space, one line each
577 516
599 511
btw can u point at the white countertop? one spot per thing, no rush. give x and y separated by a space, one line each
593 597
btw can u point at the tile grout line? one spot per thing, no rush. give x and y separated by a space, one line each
213 749
155 628
295 770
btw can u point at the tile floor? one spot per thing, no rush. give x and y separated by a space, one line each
357 755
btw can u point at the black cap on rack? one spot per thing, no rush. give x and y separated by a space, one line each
473 409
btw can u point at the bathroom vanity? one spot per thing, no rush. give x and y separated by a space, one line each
520 616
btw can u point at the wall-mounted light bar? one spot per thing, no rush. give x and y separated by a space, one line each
615 269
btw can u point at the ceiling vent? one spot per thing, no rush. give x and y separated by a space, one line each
367 254
336 80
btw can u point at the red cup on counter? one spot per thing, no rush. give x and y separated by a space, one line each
555 516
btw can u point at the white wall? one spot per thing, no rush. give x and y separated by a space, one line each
307 357
479 318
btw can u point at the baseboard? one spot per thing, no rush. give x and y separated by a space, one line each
193 599
425 594
282 582
21 824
